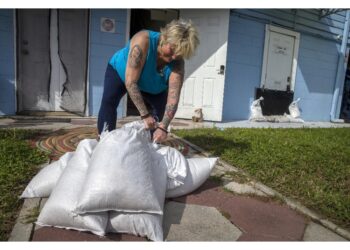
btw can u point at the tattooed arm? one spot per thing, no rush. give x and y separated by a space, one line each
136 61
175 85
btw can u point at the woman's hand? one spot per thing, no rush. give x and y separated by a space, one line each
150 123
159 134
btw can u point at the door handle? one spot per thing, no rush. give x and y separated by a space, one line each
221 70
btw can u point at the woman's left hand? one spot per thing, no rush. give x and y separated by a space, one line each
159 135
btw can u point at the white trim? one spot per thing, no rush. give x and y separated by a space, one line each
283 31
87 110
15 55
295 62
227 26
266 48
127 34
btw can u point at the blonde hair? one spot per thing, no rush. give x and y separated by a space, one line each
183 35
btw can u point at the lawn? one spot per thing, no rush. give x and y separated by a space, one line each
18 164
309 165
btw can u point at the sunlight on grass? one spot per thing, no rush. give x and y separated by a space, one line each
18 164
310 165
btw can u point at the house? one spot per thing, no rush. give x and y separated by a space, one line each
54 60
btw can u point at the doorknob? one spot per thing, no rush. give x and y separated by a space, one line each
24 52
221 70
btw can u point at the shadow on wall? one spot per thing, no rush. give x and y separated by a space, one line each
209 45
316 76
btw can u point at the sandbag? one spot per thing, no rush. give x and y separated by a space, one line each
139 224
198 172
139 126
43 182
256 111
58 209
294 109
124 175
176 165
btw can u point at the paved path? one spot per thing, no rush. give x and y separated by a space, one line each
229 211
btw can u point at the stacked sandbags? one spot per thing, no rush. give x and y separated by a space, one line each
132 189
58 210
117 184
43 183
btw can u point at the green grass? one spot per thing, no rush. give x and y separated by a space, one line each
18 164
309 165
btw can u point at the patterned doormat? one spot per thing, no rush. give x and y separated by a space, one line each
62 141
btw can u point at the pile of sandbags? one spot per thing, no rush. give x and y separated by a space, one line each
117 184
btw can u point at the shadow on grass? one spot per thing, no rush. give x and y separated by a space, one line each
217 145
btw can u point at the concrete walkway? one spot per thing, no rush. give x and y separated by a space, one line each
217 211
71 121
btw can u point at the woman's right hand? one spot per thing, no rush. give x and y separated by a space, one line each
150 123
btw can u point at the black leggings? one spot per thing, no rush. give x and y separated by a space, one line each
114 90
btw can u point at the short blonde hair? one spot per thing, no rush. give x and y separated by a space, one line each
183 34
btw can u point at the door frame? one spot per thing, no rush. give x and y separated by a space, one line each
296 35
16 59
87 77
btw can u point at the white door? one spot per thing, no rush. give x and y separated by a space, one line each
280 58
33 85
205 72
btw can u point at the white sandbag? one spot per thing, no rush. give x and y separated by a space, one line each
142 224
58 209
294 109
120 176
43 182
139 224
176 165
198 172
256 111
139 126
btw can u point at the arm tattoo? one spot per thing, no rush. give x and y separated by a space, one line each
170 111
135 57
136 97
175 85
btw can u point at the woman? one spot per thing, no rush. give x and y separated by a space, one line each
151 69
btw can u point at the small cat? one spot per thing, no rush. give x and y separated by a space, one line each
198 115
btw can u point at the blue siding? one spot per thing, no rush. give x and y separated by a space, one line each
317 59
102 47
7 64
244 64
315 79
301 20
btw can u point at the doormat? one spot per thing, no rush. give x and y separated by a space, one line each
62 141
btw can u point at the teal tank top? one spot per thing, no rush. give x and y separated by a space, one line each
150 81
